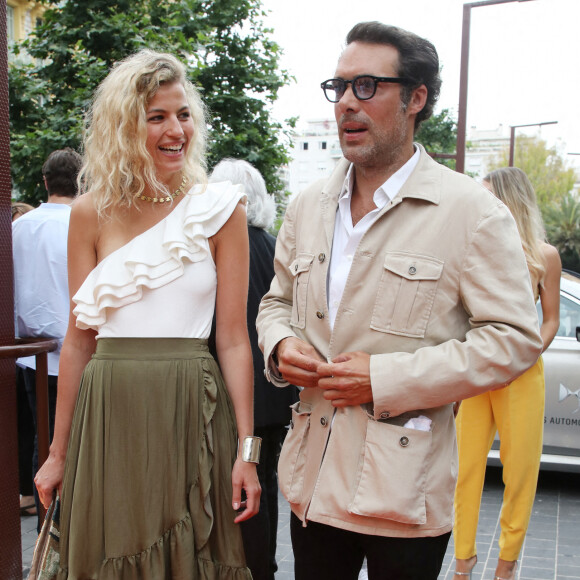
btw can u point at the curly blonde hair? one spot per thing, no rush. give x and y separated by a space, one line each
117 166
512 186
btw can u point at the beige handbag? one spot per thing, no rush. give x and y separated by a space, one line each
46 559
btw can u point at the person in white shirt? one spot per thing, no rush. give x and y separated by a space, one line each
41 299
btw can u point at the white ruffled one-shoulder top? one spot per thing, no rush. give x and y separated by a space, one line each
163 282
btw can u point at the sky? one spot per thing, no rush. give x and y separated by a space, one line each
524 58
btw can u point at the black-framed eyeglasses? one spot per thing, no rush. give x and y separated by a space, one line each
364 87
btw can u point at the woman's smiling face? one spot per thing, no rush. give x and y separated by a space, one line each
170 131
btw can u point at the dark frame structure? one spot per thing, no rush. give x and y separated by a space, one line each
10 542
463 74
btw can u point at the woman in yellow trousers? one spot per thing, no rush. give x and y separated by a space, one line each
515 411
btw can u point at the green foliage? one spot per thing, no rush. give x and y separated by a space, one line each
562 221
229 53
545 168
438 134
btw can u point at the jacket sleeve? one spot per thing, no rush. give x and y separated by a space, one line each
273 322
503 339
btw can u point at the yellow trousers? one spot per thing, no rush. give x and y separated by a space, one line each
517 413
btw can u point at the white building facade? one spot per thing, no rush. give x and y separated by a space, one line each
315 154
317 150
483 146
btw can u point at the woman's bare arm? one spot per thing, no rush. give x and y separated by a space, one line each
233 345
550 295
78 345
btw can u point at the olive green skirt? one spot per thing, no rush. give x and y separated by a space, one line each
147 492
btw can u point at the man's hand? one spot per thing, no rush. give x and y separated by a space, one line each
298 362
347 379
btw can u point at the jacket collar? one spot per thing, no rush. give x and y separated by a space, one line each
423 183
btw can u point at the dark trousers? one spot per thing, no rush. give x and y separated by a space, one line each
259 532
322 551
30 385
26 433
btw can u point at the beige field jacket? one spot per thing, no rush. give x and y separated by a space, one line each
439 294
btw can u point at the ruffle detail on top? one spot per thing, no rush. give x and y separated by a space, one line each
156 257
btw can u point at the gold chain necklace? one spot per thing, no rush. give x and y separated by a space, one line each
167 198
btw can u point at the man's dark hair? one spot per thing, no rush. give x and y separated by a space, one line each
418 60
60 171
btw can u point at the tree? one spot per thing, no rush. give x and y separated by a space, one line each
438 134
229 53
545 168
563 230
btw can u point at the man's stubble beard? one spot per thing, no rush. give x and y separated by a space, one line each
387 147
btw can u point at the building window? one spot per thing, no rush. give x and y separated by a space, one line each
10 25
28 23
305 146
323 145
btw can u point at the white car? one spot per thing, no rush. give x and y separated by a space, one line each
561 450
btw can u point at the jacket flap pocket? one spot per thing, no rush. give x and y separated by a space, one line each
302 263
392 481
301 408
413 266
293 455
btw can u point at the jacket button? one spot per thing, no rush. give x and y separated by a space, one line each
321 257
320 314
296 268
323 421
412 270
385 415
404 441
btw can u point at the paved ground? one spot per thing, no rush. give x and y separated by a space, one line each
552 547
551 550
28 535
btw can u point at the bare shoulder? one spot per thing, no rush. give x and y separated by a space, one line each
235 223
84 219
233 235
239 215
551 256
83 234
83 210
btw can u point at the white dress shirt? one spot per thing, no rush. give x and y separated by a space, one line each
41 299
347 237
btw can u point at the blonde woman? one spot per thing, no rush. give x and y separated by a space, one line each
148 460
515 411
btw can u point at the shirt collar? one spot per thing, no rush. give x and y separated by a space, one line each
388 190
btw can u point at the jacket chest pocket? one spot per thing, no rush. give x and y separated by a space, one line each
300 269
406 294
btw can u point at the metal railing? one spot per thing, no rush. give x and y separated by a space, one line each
37 347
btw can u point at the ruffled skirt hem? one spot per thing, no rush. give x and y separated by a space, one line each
170 556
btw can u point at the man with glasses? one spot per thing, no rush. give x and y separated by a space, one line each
401 287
